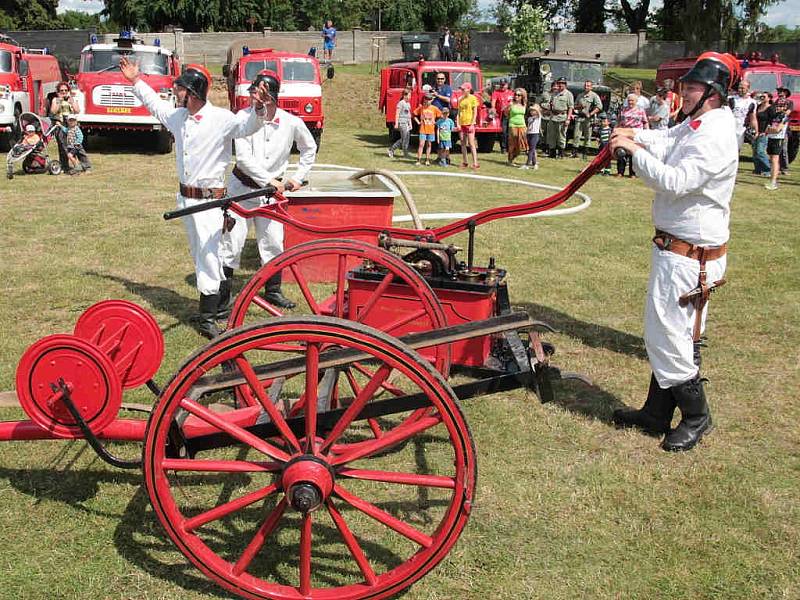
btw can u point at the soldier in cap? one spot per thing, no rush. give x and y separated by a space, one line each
692 168
587 106
561 106
203 138
261 160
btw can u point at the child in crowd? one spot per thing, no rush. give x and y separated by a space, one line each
777 121
444 134
534 128
31 138
426 116
604 135
402 121
75 152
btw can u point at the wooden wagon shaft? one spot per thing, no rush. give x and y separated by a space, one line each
338 358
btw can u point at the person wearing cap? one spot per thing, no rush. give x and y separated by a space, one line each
658 113
501 98
203 139
783 97
74 144
261 160
561 106
587 106
31 137
744 111
467 119
692 168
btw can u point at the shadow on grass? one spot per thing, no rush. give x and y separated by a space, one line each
163 299
131 142
590 334
375 139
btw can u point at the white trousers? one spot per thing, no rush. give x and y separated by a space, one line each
667 325
204 231
269 233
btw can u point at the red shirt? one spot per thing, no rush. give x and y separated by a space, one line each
501 99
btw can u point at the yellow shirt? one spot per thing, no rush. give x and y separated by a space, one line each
468 109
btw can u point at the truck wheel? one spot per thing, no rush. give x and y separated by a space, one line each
163 142
794 142
485 142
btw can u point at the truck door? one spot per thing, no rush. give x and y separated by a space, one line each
399 78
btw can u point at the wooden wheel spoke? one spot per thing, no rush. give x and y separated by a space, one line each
341 281
304 289
269 524
305 555
311 392
364 396
223 510
438 481
392 389
390 438
263 304
352 543
223 466
277 419
380 515
234 431
376 294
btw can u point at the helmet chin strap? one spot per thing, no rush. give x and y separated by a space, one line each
706 95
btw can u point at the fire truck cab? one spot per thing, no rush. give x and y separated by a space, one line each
301 82
108 106
413 75
764 76
28 82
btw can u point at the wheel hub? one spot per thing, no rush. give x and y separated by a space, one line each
307 482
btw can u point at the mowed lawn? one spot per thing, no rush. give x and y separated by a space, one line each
567 506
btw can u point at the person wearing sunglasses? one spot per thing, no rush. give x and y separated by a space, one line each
441 92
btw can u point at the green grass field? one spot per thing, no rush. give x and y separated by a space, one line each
567 507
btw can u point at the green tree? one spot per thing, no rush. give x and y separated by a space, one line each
7 22
527 33
36 14
73 19
780 33
590 16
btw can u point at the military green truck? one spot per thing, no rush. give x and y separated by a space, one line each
538 70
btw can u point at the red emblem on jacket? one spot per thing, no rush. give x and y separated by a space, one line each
695 125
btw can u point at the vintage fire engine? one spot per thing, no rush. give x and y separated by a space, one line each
295 442
301 82
763 75
28 82
413 75
106 98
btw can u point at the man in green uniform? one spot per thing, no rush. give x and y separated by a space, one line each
587 106
544 102
561 106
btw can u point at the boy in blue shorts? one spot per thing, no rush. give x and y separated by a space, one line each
444 135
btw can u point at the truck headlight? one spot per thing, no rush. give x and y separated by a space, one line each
309 108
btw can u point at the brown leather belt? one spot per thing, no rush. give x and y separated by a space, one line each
245 178
698 297
196 193
667 241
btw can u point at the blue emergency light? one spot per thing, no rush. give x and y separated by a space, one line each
93 39
157 43
312 51
245 50
125 35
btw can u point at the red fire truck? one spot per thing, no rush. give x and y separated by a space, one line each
763 75
398 76
28 81
301 82
106 98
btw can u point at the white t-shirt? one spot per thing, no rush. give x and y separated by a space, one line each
534 125
741 108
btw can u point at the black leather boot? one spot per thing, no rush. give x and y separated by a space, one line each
273 294
225 295
209 305
655 417
695 416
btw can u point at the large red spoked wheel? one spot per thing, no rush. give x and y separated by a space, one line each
319 510
332 299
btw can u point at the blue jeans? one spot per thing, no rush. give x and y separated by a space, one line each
760 158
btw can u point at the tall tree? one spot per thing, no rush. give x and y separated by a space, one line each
527 33
590 16
635 16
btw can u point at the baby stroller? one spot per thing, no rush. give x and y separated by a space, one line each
33 157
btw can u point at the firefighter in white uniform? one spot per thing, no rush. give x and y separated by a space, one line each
261 159
203 135
692 168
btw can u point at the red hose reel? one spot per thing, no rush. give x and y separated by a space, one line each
116 345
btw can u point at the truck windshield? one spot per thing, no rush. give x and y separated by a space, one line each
574 71
251 69
150 63
453 78
792 82
5 61
299 70
762 82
